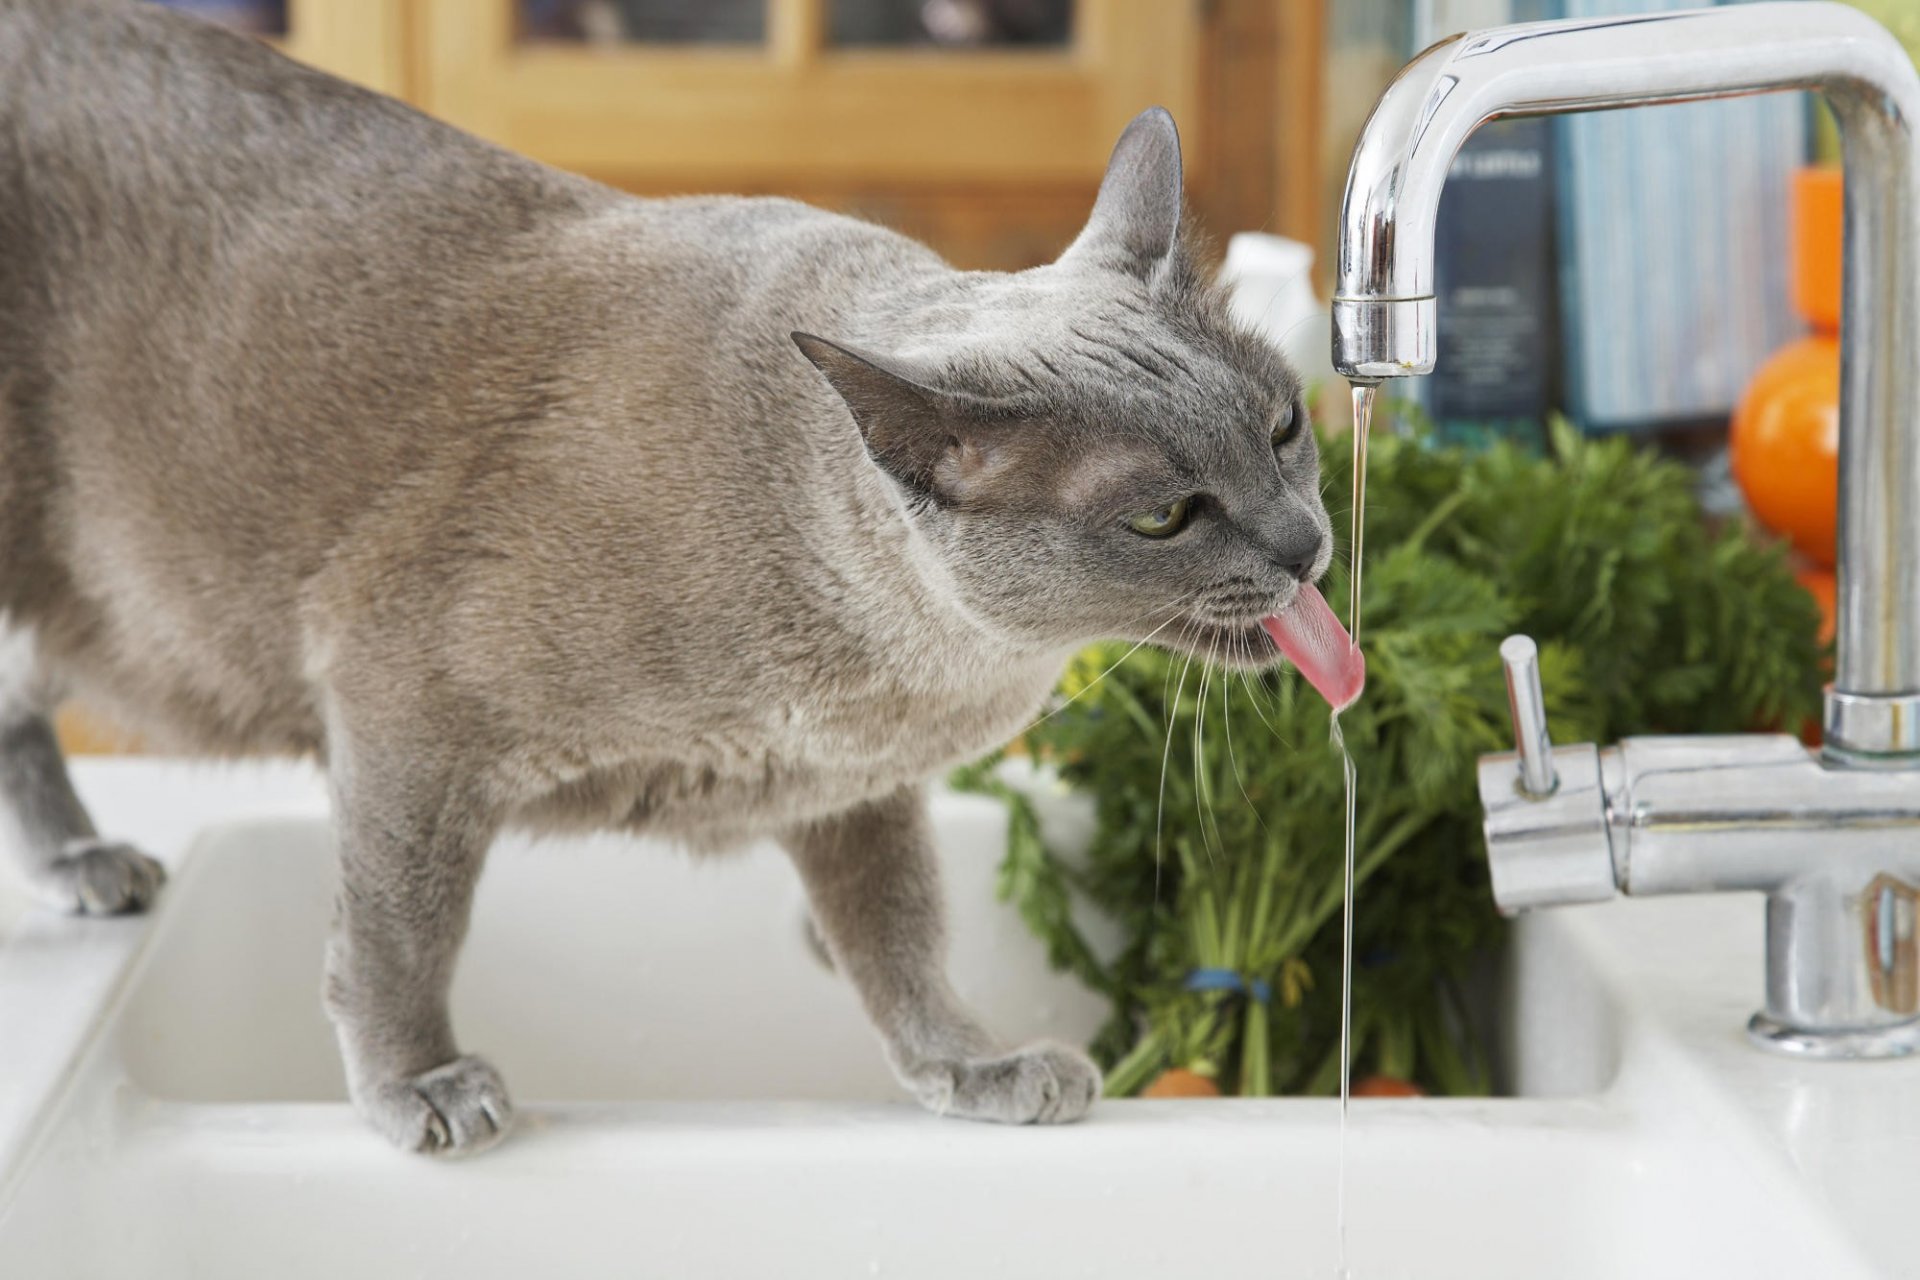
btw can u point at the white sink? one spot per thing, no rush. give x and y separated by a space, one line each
700 1098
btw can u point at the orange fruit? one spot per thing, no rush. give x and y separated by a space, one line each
1178 1082
1786 444
1819 210
1387 1087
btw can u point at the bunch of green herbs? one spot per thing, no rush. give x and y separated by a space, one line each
1220 832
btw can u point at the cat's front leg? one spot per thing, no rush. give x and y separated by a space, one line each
413 834
874 888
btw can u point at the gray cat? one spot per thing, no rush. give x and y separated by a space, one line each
327 429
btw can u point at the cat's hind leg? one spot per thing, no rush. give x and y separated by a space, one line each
44 829
874 887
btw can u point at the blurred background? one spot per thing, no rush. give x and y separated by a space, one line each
980 126
1632 270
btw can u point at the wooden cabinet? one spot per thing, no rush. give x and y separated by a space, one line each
796 110
365 41
992 155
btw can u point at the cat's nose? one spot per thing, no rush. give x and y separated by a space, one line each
1298 560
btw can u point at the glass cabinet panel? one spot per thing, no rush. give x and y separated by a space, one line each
256 17
950 24
645 21
945 24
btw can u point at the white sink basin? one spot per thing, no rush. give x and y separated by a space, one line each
700 1098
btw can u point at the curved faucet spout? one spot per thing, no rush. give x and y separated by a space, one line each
1383 306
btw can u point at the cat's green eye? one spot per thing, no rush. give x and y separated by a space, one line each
1163 523
1287 425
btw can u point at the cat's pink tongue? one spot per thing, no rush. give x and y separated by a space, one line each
1316 643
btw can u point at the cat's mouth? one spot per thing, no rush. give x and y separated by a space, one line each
1227 626
1228 642
1304 631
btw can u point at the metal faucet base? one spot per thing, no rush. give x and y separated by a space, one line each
1900 1040
1872 730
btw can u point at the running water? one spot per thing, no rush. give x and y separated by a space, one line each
1362 421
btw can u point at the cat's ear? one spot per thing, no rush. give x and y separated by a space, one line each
1136 219
934 442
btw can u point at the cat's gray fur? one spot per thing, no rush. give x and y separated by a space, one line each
325 428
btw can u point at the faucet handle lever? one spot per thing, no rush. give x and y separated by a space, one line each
1529 708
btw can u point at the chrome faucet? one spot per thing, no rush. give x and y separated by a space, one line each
1832 838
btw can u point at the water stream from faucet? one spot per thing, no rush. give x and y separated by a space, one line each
1356 538
1356 542
1346 990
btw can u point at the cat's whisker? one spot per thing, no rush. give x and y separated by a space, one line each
1166 680
1146 639
1233 761
1193 753
1253 696
1180 641
1247 680
1203 795
1166 754
1222 683
1295 326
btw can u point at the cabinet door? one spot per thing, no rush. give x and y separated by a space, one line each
358 40
786 104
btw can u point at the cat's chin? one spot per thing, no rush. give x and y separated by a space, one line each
1227 644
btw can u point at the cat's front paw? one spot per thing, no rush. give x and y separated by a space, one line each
95 877
1039 1084
459 1109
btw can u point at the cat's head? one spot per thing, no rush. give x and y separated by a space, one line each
1092 449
